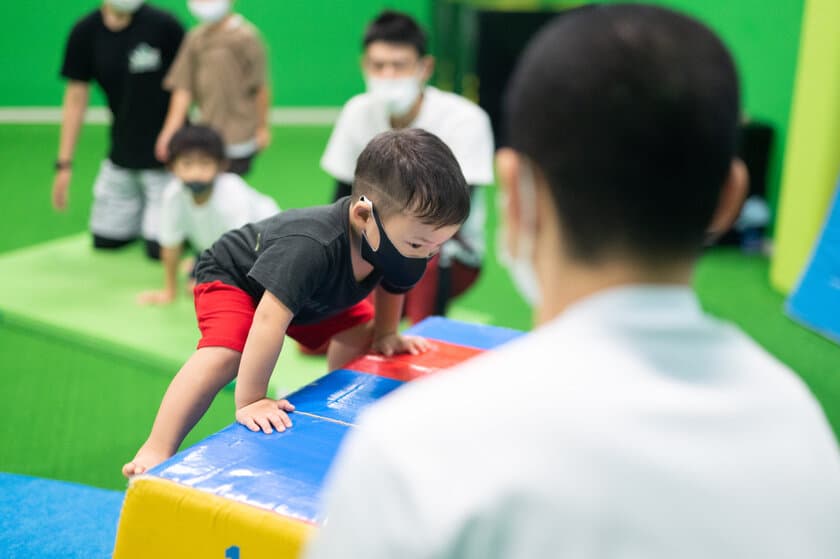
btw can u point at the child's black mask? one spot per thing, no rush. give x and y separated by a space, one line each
198 187
398 271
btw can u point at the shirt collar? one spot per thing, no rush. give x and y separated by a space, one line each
648 300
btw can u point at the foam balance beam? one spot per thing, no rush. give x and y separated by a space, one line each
244 494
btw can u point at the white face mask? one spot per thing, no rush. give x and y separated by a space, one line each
209 11
397 94
125 6
520 263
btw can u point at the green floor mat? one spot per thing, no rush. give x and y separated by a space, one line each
68 289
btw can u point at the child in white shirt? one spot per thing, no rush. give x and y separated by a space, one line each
201 203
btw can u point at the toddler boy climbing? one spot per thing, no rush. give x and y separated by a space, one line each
305 273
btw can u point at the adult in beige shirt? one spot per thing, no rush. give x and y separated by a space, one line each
221 65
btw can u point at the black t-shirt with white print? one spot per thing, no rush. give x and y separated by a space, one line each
301 256
129 65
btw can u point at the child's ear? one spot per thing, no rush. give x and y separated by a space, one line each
361 211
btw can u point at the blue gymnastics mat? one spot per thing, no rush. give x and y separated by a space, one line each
461 333
284 472
815 301
341 395
46 519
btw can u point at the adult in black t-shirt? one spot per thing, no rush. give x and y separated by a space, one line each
126 47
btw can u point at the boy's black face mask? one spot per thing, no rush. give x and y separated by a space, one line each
198 187
397 270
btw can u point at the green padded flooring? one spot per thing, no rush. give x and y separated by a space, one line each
68 289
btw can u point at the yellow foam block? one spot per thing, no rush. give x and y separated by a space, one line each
161 518
812 154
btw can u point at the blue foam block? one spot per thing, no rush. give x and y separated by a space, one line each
341 395
54 519
282 472
816 299
463 333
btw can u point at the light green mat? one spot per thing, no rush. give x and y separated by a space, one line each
66 288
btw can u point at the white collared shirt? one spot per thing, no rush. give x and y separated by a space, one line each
462 125
632 426
232 204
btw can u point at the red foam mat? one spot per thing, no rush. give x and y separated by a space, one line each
405 367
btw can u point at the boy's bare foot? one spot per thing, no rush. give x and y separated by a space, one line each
143 461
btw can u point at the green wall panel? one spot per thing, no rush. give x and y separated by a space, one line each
314 45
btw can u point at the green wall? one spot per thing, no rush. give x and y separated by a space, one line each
314 45
315 48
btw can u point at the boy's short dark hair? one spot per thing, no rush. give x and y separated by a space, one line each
197 138
631 113
395 27
412 171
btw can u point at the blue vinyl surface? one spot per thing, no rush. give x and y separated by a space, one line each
816 299
46 519
283 472
341 395
463 333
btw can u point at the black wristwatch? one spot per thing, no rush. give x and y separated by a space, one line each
61 165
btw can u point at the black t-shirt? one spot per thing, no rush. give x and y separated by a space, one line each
129 65
301 256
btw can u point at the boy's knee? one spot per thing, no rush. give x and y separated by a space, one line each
359 337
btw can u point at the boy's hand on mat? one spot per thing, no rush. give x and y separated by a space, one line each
61 187
391 344
162 297
266 414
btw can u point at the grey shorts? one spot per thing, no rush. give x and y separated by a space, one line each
126 202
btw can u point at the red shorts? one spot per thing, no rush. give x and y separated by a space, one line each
225 314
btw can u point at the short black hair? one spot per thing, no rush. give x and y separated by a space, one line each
631 114
412 171
197 138
398 28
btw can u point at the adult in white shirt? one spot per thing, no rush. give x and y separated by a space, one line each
629 423
396 68
201 203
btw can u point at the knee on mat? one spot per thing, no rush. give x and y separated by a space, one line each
152 249
107 243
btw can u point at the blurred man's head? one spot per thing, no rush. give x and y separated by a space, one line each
625 116
394 61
